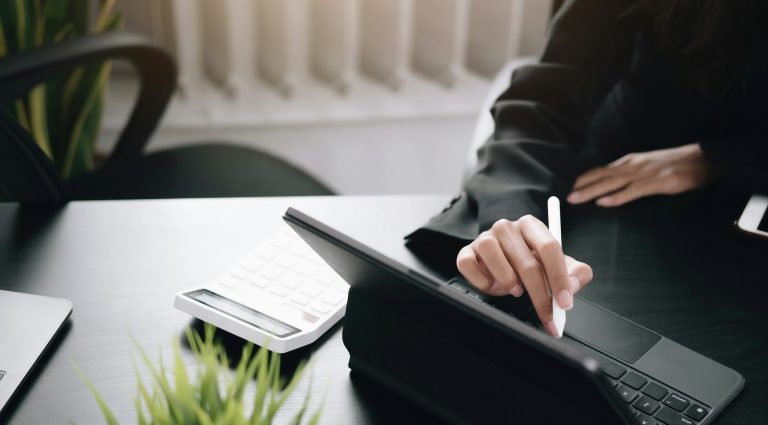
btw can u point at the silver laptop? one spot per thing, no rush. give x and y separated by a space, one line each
28 323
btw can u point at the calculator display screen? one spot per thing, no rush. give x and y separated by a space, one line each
243 313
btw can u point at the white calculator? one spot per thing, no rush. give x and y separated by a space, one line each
282 295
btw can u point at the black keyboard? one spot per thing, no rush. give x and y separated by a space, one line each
652 402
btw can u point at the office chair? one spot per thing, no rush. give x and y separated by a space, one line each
202 170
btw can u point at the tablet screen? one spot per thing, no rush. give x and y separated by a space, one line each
763 226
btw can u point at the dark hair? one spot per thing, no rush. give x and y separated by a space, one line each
718 42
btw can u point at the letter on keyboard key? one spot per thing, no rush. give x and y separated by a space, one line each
626 393
643 419
677 402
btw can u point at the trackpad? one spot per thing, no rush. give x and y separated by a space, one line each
608 332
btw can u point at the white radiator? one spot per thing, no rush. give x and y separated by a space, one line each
373 96
324 54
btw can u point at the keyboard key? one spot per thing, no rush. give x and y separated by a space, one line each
300 298
696 412
614 370
626 393
643 419
646 405
670 417
279 289
655 391
634 380
677 402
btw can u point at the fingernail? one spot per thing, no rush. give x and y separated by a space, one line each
575 284
552 329
517 291
494 287
604 202
574 197
565 299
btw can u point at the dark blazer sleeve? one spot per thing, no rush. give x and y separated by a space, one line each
542 123
742 163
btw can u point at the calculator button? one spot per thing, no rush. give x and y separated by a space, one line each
259 282
670 417
266 252
285 260
306 269
299 298
270 272
291 280
676 402
332 298
627 394
696 412
655 391
279 289
634 380
252 263
311 289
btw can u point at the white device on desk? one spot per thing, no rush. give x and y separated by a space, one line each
282 295
754 218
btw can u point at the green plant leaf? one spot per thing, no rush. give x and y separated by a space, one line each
105 410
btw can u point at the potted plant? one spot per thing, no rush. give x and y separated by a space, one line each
64 114
214 394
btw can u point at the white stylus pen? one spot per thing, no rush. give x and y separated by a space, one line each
553 217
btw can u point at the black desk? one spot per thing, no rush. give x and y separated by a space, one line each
676 266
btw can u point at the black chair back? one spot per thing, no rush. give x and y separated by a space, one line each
26 173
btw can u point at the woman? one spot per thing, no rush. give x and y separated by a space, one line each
664 96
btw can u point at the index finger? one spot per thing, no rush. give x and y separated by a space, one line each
551 256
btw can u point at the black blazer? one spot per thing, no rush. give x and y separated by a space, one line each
602 89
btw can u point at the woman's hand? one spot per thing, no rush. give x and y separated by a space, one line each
522 255
660 172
